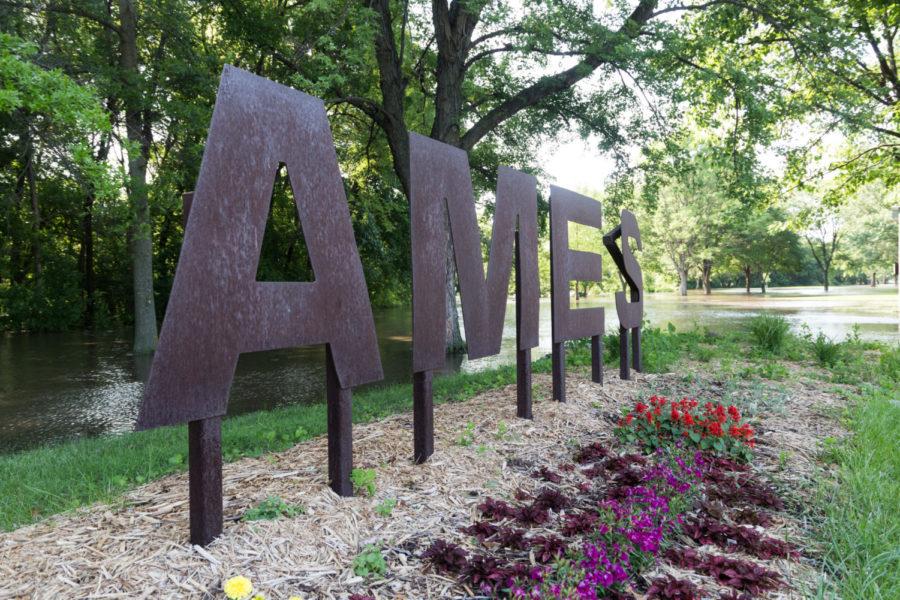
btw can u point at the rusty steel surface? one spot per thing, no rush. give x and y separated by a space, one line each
340 429
597 359
441 185
572 265
205 479
423 417
523 356
630 313
558 367
217 310
630 310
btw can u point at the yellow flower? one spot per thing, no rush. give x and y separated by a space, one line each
295 598
238 588
258 597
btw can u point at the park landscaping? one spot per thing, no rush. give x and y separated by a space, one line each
590 498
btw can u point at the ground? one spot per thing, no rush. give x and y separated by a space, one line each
139 547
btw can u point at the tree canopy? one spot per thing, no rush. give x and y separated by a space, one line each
721 116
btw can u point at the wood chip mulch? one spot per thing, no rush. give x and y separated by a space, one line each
139 547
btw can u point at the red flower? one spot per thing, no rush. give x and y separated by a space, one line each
734 413
641 407
628 419
715 428
688 419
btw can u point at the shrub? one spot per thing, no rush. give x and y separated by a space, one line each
710 427
826 350
769 332
369 562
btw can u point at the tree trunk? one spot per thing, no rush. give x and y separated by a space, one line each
747 278
706 274
874 279
139 135
35 214
682 281
825 274
87 240
87 258
762 282
453 27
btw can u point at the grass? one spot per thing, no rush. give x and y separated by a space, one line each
39 483
770 332
862 521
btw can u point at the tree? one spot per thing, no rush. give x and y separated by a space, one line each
762 244
870 233
821 225
50 119
692 214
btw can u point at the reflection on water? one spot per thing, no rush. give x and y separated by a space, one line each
60 386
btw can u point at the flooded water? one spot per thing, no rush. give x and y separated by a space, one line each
55 387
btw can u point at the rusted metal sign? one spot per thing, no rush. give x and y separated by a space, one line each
441 194
573 265
217 310
630 313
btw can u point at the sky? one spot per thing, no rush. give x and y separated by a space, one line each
574 163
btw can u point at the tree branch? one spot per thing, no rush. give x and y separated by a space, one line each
66 10
553 84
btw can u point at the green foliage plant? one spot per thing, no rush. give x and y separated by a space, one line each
467 437
363 481
369 562
386 507
826 350
272 508
769 332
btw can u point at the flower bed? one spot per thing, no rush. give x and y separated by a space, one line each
601 522
592 537
711 426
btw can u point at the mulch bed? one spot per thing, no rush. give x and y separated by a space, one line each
139 548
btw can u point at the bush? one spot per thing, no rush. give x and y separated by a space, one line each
826 350
769 332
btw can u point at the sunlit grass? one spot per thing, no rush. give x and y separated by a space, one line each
861 530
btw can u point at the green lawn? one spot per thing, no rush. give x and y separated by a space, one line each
861 531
